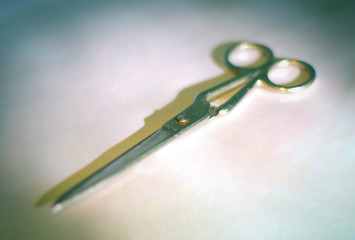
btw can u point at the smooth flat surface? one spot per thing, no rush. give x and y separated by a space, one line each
79 77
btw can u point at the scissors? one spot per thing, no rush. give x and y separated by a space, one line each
252 72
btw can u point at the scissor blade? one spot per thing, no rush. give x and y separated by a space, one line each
92 182
195 113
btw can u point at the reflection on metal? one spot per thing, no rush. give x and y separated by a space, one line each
208 104
182 119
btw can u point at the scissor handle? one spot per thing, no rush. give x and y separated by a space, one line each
305 76
237 57
264 62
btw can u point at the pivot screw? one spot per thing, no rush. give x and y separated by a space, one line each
182 119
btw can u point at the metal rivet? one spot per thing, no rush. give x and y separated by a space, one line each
182 119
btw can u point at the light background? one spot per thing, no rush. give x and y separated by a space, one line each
77 79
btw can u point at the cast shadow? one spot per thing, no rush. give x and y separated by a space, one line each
152 123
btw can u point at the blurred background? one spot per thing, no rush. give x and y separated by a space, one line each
81 81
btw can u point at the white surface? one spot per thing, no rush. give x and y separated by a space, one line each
79 77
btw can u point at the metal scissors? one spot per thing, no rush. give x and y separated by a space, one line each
205 106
